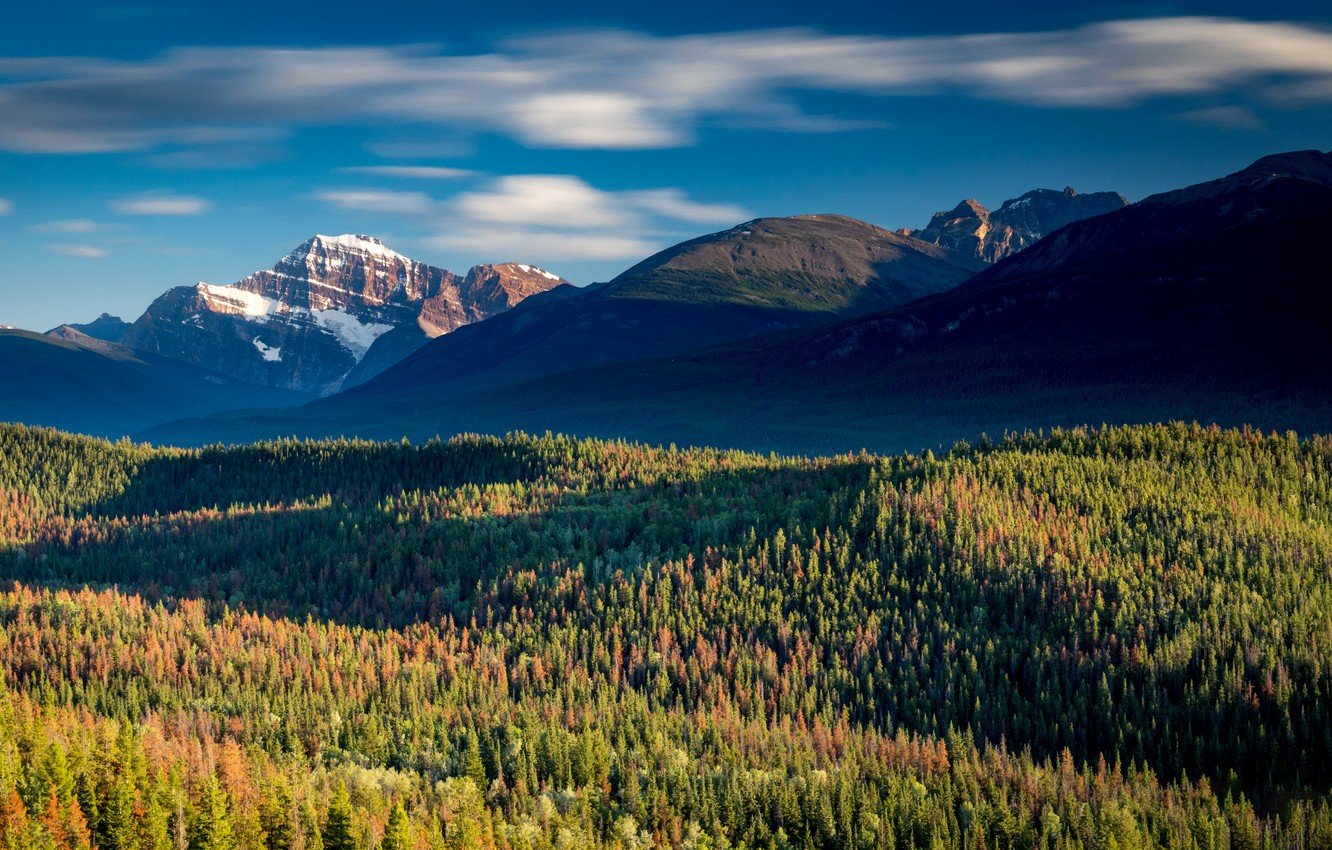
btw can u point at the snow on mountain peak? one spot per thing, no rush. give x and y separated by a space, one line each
535 270
361 242
230 299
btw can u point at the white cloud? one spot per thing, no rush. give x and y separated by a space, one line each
539 199
411 172
168 205
87 252
6 206
371 200
560 217
618 89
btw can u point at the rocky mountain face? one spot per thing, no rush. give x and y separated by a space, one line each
312 319
974 231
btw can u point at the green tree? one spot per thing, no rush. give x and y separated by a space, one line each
212 828
337 833
397 832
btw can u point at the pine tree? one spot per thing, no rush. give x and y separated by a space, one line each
473 768
397 833
276 816
212 824
338 826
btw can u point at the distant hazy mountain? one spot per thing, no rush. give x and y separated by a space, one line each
333 312
975 231
67 379
105 327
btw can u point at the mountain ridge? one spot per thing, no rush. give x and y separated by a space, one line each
313 318
1147 313
972 229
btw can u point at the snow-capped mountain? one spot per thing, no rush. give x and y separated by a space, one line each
973 230
317 315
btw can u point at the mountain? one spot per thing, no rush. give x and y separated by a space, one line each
315 322
105 327
1209 303
989 236
67 379
1205 304
760 277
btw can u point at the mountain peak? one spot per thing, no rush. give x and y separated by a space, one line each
1307 166
312 319
358 242
802 264
975 231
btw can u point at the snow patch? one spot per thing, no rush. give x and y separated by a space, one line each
535 270
229 299
359 242
270 353
355 335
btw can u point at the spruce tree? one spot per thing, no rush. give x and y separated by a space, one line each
397 833
338 825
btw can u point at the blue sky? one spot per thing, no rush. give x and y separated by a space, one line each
149 145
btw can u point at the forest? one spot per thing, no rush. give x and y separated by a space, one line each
1096 638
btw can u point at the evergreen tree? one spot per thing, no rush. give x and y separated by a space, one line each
397 832
337 834
212 828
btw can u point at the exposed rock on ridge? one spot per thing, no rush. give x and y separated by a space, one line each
309 321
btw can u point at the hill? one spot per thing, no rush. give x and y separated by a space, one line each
67 379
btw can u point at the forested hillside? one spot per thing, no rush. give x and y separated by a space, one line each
1092 639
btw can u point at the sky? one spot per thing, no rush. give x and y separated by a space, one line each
153 144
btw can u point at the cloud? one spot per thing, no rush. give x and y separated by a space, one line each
370 200
6 206
69 225
1223 117
610 89
561 217
673 203
543 246
537 199
87 252
411 172
168 205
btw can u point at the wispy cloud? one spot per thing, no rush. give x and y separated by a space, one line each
618 89
68 225
6 206
86 252
1223 117
545 217
560 217
371 200
411 172
164 205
